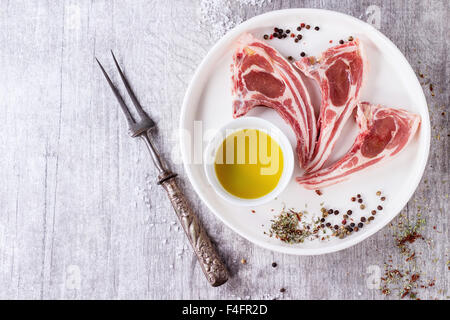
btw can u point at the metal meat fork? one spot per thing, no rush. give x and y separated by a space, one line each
212 266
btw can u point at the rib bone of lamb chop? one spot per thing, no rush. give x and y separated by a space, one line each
339 72
262 77
384 132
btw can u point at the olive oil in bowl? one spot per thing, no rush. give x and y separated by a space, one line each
249 164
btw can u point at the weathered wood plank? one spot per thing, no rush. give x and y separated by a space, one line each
80 215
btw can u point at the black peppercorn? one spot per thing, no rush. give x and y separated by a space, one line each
302 54
360 225
274 264
380 208
316 28
363 219
341 41
349 212
266 37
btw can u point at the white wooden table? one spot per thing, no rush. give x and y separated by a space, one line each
81 218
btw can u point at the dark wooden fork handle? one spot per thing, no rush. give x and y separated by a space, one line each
212 266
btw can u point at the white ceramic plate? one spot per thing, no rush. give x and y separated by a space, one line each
390 81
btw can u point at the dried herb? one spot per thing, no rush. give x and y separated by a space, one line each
287 227
407 278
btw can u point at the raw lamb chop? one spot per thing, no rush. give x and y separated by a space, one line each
339 73
384 132
262 77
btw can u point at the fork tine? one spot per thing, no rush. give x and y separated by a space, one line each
136 103
118 96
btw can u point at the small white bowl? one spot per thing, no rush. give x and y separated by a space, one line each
249 123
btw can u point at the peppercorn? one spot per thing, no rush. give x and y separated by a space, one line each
360 225
363 219
274 264
350 38
317 28
336 212
282 290
302 54
284 35
353 199
296 40
280 30
341 41
383 198
352 224
349 212
336 226
380 208
322 220
371 218
275 29
345 216
378 193
299 37
290 58
358 195
266 37
308 26
288 31
344 221
360 200
374 212
322 225
355 229
328 224
299 28
302 25
362 207
330 211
